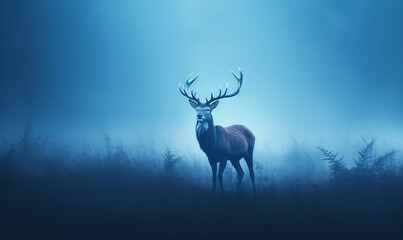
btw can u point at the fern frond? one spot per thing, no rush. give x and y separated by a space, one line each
365 155
380 162
337 165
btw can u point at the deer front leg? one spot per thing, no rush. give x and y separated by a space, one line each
223 163
214 171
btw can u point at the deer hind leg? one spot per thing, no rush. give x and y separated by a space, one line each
249 162
240 172
221 169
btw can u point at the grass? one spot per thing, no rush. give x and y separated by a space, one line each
114 194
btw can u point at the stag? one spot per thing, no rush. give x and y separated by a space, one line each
221 144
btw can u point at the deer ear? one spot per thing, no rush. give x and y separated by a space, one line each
213 105
193 103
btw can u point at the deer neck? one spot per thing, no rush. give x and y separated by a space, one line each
206 135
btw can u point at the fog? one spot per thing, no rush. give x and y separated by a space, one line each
79 76
316 72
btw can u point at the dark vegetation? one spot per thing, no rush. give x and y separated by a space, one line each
48 193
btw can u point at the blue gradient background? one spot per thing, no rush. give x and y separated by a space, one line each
315 72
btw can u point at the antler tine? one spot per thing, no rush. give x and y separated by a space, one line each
185 89
226 88
194 79
212 91
239 79
193 93
220 95
187 79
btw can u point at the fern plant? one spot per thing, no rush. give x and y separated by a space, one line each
337 166
379 165
365 155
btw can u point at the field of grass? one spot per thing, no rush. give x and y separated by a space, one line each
116 194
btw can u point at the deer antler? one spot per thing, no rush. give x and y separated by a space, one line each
220 95
184 91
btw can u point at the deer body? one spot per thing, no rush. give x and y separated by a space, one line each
218 143
233 142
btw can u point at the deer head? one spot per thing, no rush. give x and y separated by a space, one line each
204 110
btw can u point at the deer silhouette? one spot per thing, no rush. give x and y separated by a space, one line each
221 144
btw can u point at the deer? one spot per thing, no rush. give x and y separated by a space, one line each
221 144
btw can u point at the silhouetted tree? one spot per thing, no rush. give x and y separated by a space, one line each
108 146
170 162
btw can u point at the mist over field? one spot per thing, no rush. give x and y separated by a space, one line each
96 141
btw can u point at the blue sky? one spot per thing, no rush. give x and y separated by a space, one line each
317 72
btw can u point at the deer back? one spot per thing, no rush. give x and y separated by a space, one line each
234 141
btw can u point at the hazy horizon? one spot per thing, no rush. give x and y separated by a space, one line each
315 73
